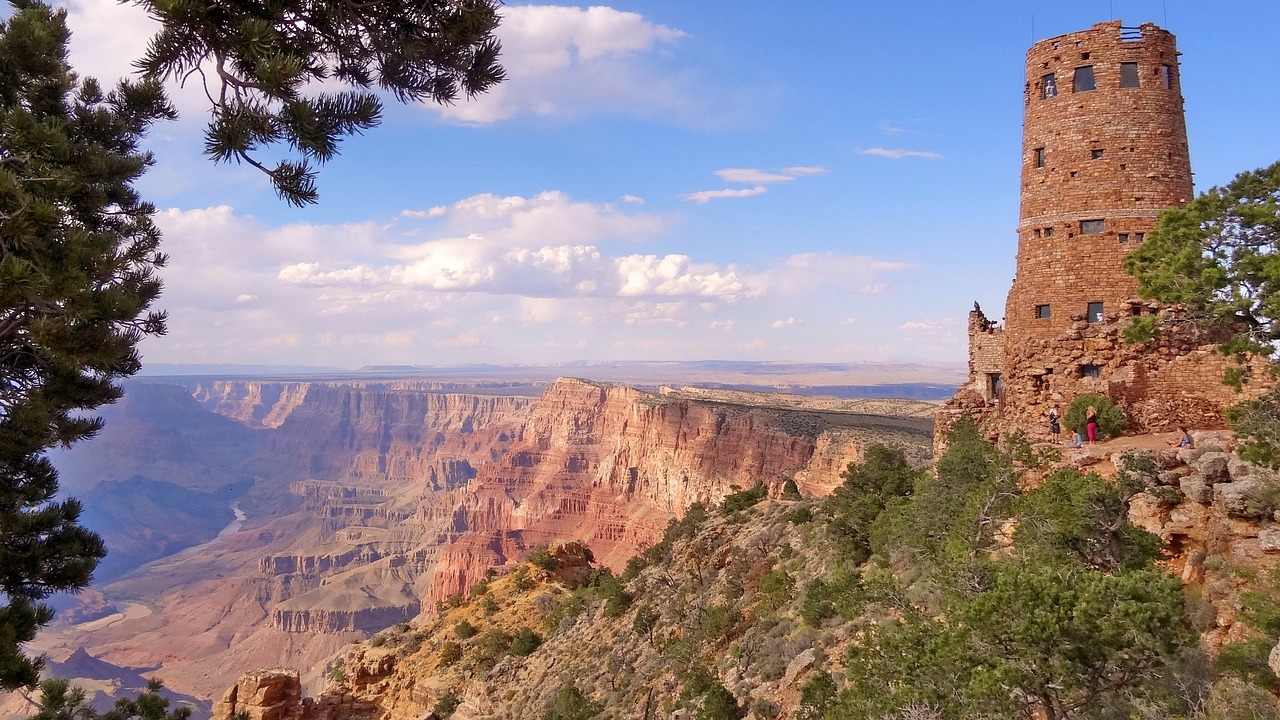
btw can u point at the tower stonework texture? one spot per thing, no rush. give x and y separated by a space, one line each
1104 151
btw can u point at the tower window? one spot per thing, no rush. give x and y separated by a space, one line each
1039 153
1049 86
1139 237
1048 232
1090 371
995 388
1166 77
1084 79
1129 74
1094 313
1042 312
1095 154
1124 237
1090 227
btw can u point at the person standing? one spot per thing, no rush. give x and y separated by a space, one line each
1091 424
1055 423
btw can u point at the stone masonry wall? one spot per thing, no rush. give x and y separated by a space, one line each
1113 154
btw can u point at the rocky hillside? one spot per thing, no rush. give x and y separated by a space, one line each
367 503
761 607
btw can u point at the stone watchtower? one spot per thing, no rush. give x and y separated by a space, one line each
1104 151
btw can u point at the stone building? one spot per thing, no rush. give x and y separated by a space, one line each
1104 151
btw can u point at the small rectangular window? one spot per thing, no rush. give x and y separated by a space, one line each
1049 86
1124 237
1135 310
1036 232
1039 152
1084 79
1094 313
1048 232
1090 227
1090 371
1042 312
1095 154
1128 74
994 386
1166 77
1138 237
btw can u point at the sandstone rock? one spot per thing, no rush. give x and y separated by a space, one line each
1148 512
1166 459
799 665
1273 661
274 694
1172 477
1212 466
1188 456
1238 468
1269 539
1242 498
1196 489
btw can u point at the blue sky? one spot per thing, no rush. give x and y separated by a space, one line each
662 180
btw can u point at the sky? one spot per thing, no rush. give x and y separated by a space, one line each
813 181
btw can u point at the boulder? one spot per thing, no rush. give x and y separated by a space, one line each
1212 466
1166 458
799 665
1243 497
1238 468
1188 456
1269 538
1196 489
1173 477
1273 661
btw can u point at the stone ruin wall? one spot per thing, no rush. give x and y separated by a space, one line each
1176 379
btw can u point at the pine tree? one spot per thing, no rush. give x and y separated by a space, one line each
78 253
256 60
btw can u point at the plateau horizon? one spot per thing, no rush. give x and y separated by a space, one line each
659 181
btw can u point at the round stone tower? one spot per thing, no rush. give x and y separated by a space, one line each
1104 150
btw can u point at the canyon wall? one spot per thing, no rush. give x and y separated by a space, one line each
372 502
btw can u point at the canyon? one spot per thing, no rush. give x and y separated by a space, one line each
363 503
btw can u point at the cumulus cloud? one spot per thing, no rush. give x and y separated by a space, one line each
486 276
633 199
898 154
563 60
788 322
433 212
702 197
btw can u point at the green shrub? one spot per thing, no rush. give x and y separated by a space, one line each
465 630
542 558
719 704
446 705
1111 418
450 653
775 589
743 499
816 696
570 703
524 642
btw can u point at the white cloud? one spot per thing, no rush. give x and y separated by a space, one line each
567 61
873 289
890 129
492 279
433 212
894 154
752 345
752 176
778 324
800 170
633 199
702 197
929 325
